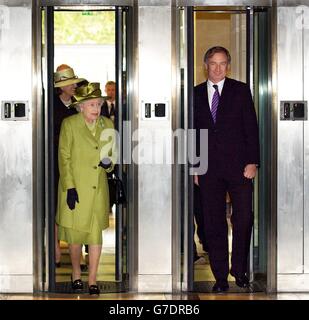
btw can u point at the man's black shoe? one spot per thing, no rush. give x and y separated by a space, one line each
242 281
220 286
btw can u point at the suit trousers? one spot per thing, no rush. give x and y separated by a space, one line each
199 220
214 186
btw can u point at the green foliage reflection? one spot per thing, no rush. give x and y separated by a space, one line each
85 27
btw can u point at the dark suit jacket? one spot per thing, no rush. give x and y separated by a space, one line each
105 113
60 112
233 141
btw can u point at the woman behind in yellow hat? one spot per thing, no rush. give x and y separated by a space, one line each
65 83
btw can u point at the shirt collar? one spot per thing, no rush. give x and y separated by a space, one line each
219 84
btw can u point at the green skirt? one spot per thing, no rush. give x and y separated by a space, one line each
72 236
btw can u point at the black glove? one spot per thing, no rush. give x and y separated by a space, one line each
72 197
105 163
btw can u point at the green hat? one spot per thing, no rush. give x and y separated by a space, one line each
86 92
65 77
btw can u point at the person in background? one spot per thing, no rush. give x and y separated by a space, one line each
109 106
65 84
86 153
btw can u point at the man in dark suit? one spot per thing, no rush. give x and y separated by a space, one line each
109 107
199 221
224 106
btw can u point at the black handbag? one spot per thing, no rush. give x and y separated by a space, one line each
118 189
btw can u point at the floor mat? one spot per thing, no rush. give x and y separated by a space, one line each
104 286
206 286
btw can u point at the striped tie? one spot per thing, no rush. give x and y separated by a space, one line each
215 103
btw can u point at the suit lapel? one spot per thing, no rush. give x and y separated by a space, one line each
105 111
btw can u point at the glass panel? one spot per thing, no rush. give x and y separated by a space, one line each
181 123
263 106
124 106
220 29
226 29
86 41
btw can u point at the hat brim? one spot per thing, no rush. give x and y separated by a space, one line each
74 104
68 82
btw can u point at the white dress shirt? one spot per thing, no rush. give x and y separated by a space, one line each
109 105
211 89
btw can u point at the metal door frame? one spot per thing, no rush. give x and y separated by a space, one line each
188 6
44 274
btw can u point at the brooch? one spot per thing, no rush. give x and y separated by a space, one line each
101 122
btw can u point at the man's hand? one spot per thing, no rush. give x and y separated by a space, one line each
250 171
196 180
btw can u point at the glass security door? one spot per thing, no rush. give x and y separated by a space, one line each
93 41
242 30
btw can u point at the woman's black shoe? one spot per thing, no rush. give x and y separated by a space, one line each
77 285
94 290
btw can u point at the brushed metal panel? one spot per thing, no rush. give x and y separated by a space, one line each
16 3
132 64
281 3
272 224
16 149
16 284
306 147
154 283
87 2
186 3
290 3
177 194
155 180
143 3
290 146
293 283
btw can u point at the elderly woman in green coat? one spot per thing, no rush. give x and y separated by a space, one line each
86 154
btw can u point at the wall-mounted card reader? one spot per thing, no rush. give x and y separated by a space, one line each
20 110
160 110
148 110
7 110
293 110
15 110
299 111
152 110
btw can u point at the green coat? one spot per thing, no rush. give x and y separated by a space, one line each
79 155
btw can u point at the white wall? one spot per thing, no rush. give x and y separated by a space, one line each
16 256
96 63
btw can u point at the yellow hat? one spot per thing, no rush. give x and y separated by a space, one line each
65 77
86 92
